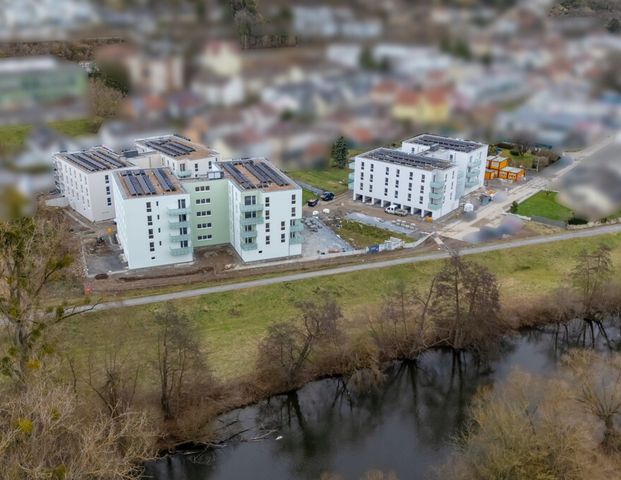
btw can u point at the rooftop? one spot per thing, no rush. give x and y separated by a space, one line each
398 157
149 182
177 147
455 144
255 173
96 159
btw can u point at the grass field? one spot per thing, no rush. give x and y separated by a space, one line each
232 323
360 235
332 179
544 204
526 161
12 137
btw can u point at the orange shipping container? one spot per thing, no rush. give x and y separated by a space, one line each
490 174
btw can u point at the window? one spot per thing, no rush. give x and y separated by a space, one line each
409 187
107 178
409 197
372 167
152 246
202 188
371 178
267 214
420 199
267 201
107 190
361 185
293 211
361 175
282 225
203 201
267 227
386 181
398 172
293 199
204 237
196 167
248 228
396 183
362 165
248 241
203 213
148 204
422 178
250 200
109 201
149 220
267 240
387 170
282 238
385 191
422 189
411 175
203 225
150 233
396 193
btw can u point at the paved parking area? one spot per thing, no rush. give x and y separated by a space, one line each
320 239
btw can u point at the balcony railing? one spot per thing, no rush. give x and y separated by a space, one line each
258 220
351 165
249 246
178 251
296 240
179 237
436 195
179 211
257 207
296 226
439 184
351 176
183 173
434 206
248 234
183 224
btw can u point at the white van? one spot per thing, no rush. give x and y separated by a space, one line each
392 209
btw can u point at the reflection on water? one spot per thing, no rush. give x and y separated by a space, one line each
405 426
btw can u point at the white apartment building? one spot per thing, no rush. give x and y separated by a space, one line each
85 179
152 217
421 185
427 176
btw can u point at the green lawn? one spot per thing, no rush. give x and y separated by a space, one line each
544 204
361 236
332 179
232 323
526 161
12 137
306 196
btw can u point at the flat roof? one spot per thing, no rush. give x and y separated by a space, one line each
136 183
449 143
399 157
95 159
177 147
256 173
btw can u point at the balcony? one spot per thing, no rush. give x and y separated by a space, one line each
249 246
179 211
257 207
177 237
248 234
438 184
436 195
178 251
296 240
434 206
296 226
473 172
351 165
351 177
472 182
183 173
258 220
184 224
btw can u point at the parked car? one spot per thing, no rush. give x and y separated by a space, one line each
327 196
392 209
312 202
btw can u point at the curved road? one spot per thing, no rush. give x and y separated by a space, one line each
364 265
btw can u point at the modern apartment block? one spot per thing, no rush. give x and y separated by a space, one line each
152 217
85 179
427 176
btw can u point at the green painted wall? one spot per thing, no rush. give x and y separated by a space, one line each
219 207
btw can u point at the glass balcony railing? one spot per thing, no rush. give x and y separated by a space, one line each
258 220
434 206
248 234
179 237
296 240
438 184
351 165
183 173
350 177
179 211
436 195
183 224
178 251
257 207
249 246
296 226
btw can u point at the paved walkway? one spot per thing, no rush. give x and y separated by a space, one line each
364 265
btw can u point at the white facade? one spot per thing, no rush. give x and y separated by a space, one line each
153 229
422 186
86 181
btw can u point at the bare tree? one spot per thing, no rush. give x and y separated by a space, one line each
180 360
465 305
523 142
104 100
287 347
590 277
33 253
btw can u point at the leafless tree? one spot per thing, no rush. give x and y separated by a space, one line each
180 361
523 142
33 253
287 347
590 277
104 101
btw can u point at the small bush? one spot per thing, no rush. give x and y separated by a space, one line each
577 221
101 276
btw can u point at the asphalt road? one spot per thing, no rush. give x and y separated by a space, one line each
364 265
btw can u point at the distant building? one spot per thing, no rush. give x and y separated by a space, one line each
222 58
36 89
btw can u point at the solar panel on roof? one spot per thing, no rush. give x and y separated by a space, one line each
141 180
272 174
237 175
163 180
129 184
260 176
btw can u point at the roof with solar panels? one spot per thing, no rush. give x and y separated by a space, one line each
96 159
137 183
256 174
177 147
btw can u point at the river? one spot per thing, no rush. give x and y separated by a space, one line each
405 426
